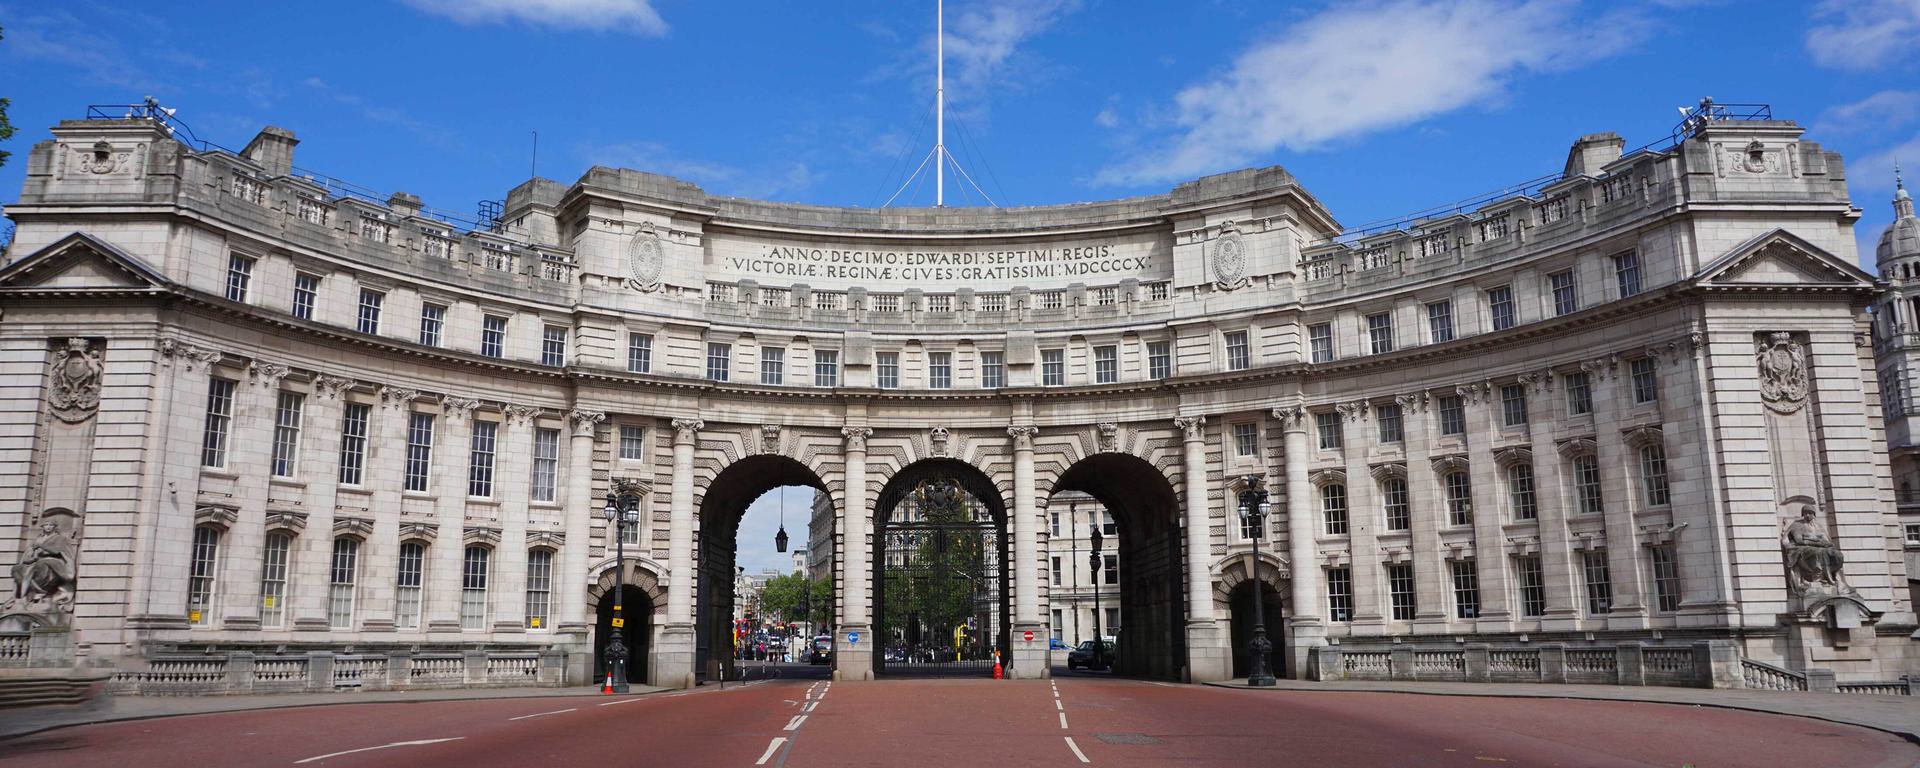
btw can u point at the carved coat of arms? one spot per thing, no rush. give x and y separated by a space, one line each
1229 258
75 393
1783 373
646 258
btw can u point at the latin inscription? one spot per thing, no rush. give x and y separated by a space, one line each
986 265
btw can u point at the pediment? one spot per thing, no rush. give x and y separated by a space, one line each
80 262
1781 258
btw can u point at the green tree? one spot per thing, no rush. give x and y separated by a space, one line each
6 126
787 597
941 580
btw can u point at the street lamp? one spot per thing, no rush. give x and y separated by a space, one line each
623 507
1253 515
1093 562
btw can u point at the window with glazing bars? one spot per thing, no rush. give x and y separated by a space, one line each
306 289
1320 342
1513 405
539 587
480 459
353 443
1333 509
1579 393
1453 415
1593 566
473 587
202 572
1239 354
719 360
1500 307
1646 380
993 369
1246 440
939 370
344 572
433 318
239 277
1339 594
1159 360
1327 425
407 585
1586 485
286 433
886 370
1666 578
1110 572
1380 333
1520 492
1400 590
493 336
633 442
553 346
213 442
1053 367
1566 299
1387 417
639 352
1106 364
773 365
1459 492
368 319
419 450
1466 588
273 580
1532 585
1440 321
546 463
1393 496
1626 273
1653 475
826 368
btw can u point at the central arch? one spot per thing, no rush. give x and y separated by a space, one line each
1151 638
942 586
721 509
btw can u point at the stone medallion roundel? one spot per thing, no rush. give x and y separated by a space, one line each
645 260
1229 258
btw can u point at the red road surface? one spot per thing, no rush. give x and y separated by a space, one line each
974 723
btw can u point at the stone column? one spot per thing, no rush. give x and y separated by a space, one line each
159 597
1629 609
580 508
1483 417
1029 658
674 658
1209 651
447 481
312 550
1307 620
513 489
1426 510
1560 566
384 477
854 660
1372 603
250 459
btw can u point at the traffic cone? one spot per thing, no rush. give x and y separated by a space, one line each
607 687
997 672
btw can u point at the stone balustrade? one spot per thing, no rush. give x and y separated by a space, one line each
322 671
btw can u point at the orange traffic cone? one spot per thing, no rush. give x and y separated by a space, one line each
607 687
997 672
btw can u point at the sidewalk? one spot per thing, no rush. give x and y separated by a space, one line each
1898 715
25 720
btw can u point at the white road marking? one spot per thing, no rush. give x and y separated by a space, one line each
794 724
636 698
772 747
1063 721
1076 750
1161 684
809 707
543 714
1056 705
421 742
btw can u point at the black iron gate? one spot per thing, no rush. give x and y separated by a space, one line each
943 593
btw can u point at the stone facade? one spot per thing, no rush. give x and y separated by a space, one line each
274 417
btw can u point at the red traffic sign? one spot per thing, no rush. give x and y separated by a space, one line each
1029 636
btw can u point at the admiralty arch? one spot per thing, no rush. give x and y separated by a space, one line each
267 430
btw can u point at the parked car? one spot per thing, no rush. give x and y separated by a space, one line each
1084 656
822 652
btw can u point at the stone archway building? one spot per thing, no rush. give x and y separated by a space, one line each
1569 416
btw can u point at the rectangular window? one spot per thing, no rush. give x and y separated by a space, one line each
1387 417
273 581
1393 496
1110 574
886 369
480 459
1440 321
1513 405
1380 333
1532 584
1666 578
639 352
539 587
353 443
1653 475
1249 531
1056 570
1520 492
1239 354
340 582
407 583
553 346
1646 381
419 450
1626 273
1579 394
1500 307
1320 342
773 365
993 369
1593 566
1053 525
201 575
433 317
1328 427
1107 525
1459 499
1246 440
1053 367
1106 364
473 588
1566 299
633 442
368 319
719 360
1333 509
493 336
546 463
1453 415
306 289
287 415
239 277
1159 360
939 370
1466 588
1400 590
826 368
1339 594
213 443
1586 485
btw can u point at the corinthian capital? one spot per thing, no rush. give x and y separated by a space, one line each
458 407
192 357
1023 437
856 437
331 386
584 422
267 374
686 430
1290 416
1191 426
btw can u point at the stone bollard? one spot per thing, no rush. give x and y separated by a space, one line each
1479 662
319 670
1553 663
1822 681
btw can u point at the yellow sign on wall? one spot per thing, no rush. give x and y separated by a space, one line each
193 616
617 623
534 622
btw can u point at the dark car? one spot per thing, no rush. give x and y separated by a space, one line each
822 652
1084 656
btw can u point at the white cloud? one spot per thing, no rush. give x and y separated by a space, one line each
1863 34
771 182
983 41
1354 69
636 16
1889 109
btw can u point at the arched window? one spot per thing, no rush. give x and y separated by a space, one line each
408 584
1393 493
1333 508
539 586
201 574
342 582
273 579
1459 498
473 587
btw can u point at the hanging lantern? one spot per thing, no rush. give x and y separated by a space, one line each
780 539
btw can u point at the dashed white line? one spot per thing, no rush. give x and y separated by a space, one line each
634 699
1076 750
421 742
1056 705
809 707
543 714
773 747
794 724
1063 721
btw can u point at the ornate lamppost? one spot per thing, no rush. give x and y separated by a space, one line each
1093 561
623 508
1253 514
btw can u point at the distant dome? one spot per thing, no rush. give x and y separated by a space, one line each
1902 238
